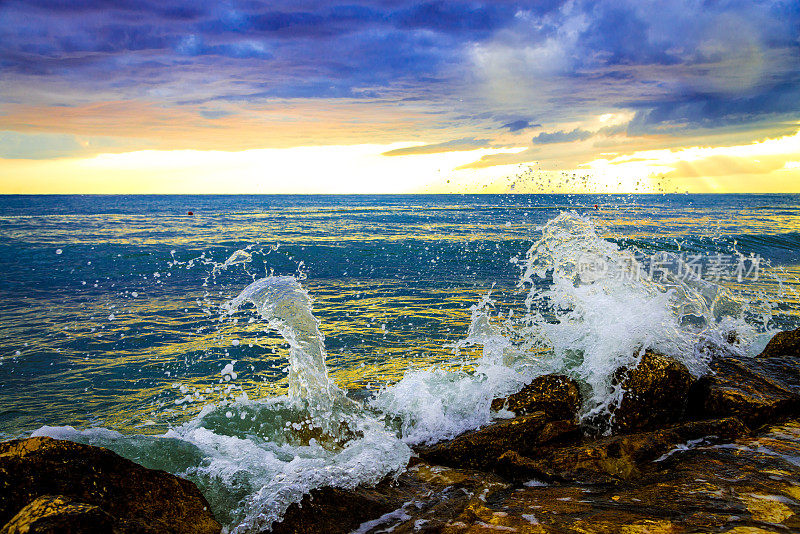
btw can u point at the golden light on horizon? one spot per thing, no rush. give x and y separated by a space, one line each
774 164
311 169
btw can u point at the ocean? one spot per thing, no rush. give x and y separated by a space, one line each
263 346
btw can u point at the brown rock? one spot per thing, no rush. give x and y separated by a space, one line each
655 393
436 492
614 458
783 344
140 500
558 396
59 515
745 388
748 487
481 448
780 359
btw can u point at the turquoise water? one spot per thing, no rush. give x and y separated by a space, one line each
113 317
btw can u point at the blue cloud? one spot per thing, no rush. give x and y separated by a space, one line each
193 45
577 134
618 36
333 51
215 113
520 124
710 110
459 17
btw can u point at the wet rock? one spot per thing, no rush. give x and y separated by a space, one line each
616 458
781 358
480 449
138 499
59 515
743 387
655 393
334 511
433 497
558 396
783 344
748 485
437 492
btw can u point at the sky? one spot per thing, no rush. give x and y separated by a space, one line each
396 96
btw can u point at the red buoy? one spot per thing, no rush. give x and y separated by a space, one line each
191 213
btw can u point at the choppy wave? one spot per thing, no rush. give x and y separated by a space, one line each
588 310
253 458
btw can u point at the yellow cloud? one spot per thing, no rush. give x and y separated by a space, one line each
764 166
726 166
279 124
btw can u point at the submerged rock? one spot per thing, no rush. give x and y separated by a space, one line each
334 511
655 393
558 396
43 480
480 449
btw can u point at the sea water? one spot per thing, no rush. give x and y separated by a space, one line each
268 345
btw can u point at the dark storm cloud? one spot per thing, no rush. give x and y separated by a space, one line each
327 23
281 49
681 65
619 36
708 110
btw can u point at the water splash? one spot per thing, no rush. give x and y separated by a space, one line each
358 448
591 308
237 258
427 406
596 307
287 307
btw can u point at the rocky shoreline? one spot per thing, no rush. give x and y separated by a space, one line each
57 486
718 454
